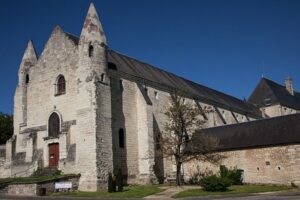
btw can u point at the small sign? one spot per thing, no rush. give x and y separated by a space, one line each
63 185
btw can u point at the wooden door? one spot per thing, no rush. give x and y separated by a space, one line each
53 155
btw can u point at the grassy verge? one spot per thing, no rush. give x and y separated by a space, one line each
233 190
29 180
129 192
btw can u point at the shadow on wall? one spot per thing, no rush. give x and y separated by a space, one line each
158 159
119 133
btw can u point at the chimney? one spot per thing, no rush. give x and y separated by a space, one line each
289 85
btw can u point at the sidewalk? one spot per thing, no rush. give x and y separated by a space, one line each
170 191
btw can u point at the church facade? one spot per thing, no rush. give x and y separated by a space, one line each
84 108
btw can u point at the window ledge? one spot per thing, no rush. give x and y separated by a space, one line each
59 94
50 137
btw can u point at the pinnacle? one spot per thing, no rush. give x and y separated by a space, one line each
30 52
92 8
92 28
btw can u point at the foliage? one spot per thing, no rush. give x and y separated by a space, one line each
233 190
215 184
111 183
6 127
196 177
57 173
134 191
293 185
119 181
183 119
235 175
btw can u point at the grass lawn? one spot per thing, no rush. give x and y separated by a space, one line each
129 192
235 189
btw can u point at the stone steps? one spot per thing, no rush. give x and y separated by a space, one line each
48 171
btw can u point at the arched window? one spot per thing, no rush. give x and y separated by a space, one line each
61 85
91 51
121 138
53 125
27 78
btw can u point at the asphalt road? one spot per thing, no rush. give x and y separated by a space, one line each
295 196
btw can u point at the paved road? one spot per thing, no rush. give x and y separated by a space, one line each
289 196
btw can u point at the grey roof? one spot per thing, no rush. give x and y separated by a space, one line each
150 74
268 93
136 68
260 133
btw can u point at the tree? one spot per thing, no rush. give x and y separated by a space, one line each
6 127
174 142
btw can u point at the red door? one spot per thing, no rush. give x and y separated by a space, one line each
53 155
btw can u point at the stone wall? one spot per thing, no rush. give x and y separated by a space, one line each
138 109
35 189
278 110
59 57
22 189
270 165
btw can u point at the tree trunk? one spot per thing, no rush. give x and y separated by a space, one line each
178 172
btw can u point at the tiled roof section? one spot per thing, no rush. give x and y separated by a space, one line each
268 93
72 37
260 133
136 68
145 71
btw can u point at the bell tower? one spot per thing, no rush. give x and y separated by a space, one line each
29 60
94 140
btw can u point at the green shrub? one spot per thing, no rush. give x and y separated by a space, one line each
235 175
111 183
293 185
196 177
215 184
120 180
57 173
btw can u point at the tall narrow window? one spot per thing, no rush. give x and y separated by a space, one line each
121 138
53 125
27 78
61 85
91 51
121 85
102 77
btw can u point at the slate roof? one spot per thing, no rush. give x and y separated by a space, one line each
151 74
260 133
268 93
136 68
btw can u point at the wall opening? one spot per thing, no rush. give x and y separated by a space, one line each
53 125
121 138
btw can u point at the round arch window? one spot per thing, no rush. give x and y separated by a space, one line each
61 85
53 125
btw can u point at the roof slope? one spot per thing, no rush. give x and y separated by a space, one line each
268 93
260 133
145 71
138 69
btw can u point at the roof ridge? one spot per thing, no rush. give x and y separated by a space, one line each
254 121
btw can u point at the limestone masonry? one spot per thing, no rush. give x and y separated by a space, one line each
84 108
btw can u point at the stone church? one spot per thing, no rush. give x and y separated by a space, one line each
82 107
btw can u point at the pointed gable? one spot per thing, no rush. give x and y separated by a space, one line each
269 93
92 28
29 57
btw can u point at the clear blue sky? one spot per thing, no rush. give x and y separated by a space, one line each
221 44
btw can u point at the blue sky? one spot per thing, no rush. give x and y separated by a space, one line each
221 44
